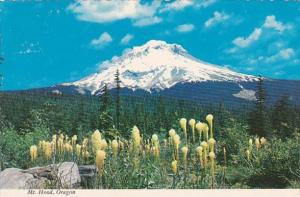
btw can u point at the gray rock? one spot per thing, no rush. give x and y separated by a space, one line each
63 175
14 178
68 173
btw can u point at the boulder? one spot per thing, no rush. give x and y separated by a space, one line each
14 178
68 174
63 175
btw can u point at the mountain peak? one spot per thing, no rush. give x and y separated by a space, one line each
157 65
153 45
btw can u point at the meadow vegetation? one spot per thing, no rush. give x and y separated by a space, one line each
214 146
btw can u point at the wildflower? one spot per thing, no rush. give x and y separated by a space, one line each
85 154
33 153
85 142
155 144
103 144
205 130
199 151
147 148
263 141
155 151
96 140
176 141
257 143
115 147
200 128
60 145
61 136
250 144
41 144
54 140
121 145
211 143
248 154
68 147
204 146
136 137
192 124
172 133
209 119
183 122
154 139
225 155
174 166
184 151
48 150
212 157
74 139
165 142
100 158
78 150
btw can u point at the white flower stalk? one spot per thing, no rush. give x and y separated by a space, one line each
199 151
200 129
211 143
205 150
115 147
209 119
257 143
192 124
33 153
183 123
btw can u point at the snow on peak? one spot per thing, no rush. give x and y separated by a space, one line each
156 65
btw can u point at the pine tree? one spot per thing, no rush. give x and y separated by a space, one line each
258 119
283 118
104 99
117 97
105 118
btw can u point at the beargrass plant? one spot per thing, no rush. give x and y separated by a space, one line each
235 160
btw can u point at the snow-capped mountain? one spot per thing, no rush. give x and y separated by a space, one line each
161 69
156 65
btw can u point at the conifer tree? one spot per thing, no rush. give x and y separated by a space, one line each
105 117
104 99
117 97
258 119
283 118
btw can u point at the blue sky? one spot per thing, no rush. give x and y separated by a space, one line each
46 43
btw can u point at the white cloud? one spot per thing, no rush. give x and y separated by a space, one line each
147 21
177 5
103 40
283 54
205 3
126 39
109 11
244 42
182 4
141 14
218 17
271 22
185 28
